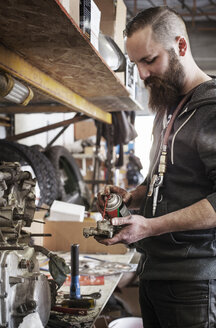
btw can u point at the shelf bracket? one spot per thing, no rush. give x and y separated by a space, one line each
20 68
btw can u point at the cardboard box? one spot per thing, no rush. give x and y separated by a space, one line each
113 19
113 23
84 129
72 7
108 16
66 233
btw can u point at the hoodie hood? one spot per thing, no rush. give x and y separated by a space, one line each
204 94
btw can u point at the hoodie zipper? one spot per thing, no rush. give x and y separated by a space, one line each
174 136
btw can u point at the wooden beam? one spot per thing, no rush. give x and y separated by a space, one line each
18 67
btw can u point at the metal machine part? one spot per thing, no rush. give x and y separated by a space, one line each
104 229
17 201
114 207
23 289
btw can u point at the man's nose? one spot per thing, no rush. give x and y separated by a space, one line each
143 73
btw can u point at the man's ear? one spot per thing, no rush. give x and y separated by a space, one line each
182 45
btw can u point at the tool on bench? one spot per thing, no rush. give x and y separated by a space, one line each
75 285
75 300
62 309
95 295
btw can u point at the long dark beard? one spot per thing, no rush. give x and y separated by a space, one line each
164 92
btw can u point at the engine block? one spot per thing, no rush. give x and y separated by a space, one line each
23 289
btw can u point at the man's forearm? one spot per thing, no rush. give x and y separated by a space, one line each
200 215
138 195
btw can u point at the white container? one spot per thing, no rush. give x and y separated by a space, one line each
128 322
62 211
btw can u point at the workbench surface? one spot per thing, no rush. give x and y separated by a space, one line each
110 283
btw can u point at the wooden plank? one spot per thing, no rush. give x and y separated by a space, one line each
45 35
18 67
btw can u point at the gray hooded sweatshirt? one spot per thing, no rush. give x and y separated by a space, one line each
190 177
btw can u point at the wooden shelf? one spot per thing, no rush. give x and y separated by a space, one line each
43 35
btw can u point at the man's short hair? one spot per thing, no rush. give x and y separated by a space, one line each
165 22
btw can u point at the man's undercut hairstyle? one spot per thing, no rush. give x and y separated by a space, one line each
165 22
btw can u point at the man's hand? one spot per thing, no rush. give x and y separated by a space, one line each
135 227
200 215
126 196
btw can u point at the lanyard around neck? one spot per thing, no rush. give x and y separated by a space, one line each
174 115
157 179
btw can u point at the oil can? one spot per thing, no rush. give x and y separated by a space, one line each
115 207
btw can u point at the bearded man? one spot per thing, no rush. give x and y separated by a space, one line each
175 230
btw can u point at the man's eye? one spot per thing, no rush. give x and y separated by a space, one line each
151 61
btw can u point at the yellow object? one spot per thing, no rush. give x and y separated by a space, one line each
13 90
17 66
